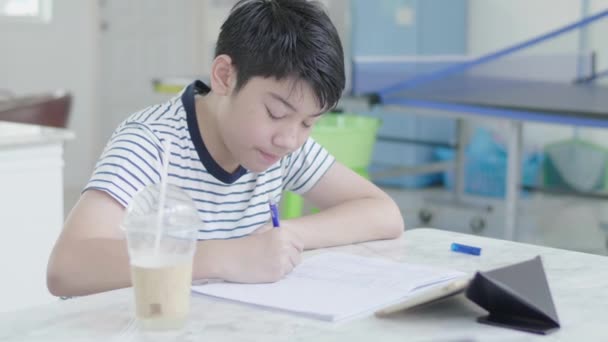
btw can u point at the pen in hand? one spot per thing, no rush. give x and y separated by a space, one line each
274 212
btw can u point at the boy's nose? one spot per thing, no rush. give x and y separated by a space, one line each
287 140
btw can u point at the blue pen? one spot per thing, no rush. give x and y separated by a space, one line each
457 247
274 212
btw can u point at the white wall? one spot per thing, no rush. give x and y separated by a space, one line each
38 57
496 24
597 36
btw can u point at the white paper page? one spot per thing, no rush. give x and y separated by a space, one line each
334 286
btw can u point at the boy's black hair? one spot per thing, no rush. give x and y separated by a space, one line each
285 38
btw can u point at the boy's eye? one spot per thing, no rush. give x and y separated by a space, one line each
306 124
272 116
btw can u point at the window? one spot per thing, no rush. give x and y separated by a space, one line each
25 10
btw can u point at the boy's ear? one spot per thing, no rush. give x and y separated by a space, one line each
223 75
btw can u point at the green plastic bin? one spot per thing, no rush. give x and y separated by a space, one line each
349 138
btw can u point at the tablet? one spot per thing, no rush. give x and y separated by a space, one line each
427 295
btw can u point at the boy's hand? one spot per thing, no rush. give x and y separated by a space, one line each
265 256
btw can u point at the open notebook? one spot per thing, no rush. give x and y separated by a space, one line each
335 286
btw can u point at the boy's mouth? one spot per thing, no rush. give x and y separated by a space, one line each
268 157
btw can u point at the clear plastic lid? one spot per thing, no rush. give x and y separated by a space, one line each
179 216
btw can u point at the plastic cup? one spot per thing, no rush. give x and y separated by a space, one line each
161 264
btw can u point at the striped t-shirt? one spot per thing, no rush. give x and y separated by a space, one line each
230 205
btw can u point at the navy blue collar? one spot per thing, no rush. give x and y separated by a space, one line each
198 87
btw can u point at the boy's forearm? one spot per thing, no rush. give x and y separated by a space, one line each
351 222
210 259
88 266
221 259
96 265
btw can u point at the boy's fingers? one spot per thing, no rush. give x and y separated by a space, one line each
296 243
262 229
294 258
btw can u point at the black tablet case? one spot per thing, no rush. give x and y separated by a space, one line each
516 296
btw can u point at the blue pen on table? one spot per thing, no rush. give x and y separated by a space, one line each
274 212
457 247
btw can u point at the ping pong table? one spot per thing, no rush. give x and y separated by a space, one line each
457 92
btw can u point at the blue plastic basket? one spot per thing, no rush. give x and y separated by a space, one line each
486 173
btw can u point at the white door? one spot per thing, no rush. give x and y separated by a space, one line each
142 40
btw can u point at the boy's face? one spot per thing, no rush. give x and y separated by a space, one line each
267 119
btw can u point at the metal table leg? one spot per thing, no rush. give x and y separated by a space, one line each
459 160
514 149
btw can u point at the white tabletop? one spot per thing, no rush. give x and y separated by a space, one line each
578 282
18 134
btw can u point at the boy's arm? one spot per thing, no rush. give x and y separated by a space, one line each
91 255
352 210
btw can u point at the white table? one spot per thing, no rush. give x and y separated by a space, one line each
578 281
31 208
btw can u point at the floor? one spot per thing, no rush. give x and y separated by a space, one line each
548 220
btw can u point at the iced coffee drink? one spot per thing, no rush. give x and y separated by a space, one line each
162 291
161 250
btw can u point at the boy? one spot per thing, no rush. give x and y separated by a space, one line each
245 136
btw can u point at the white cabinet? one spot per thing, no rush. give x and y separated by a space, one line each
31 211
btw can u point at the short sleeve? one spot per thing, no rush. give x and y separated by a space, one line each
306 166
130 161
